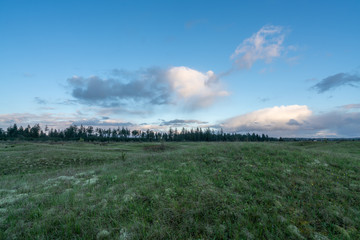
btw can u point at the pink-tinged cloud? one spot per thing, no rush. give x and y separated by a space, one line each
296 121
194 88
266 45
269 119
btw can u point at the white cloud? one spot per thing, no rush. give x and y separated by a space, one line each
296 121
195 88
270 119
266 45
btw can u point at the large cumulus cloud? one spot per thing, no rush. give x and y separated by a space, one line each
154 86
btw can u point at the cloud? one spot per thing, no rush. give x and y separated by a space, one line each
266 45
351 106
296 121
79 113
194 88
149 87
193 23
264 99
67 102
342 123
28 75
337 80
47 108
102 123
119 110
40 101
62 121
269 119
180 122
24 119
293 122
58 121
284 121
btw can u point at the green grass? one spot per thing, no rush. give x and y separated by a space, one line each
289 190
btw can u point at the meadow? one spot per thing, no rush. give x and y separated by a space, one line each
180 190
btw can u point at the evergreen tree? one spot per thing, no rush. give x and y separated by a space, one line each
35 131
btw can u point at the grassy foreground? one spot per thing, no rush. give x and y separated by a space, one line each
298 190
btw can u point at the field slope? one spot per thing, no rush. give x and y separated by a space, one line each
289 190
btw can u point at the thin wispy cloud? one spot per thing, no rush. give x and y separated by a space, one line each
24 119
193 23
59 120
181 122
28 75
337 80
40 101
264 99
351 106
108 111
107 122
266 45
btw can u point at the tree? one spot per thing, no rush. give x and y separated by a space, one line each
2 134
171 134
90 130
135 133
71 132
35 131
27 131
12 131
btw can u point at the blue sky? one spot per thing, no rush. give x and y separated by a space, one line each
284 68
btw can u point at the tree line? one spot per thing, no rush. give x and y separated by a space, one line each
89 133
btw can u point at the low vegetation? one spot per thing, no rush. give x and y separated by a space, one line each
219 190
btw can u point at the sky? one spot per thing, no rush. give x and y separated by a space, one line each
282 68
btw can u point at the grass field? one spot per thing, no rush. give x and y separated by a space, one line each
277 190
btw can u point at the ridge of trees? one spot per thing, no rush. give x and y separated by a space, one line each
89 133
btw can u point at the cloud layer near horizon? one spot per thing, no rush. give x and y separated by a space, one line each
269 119
153 86
296 121
284 121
